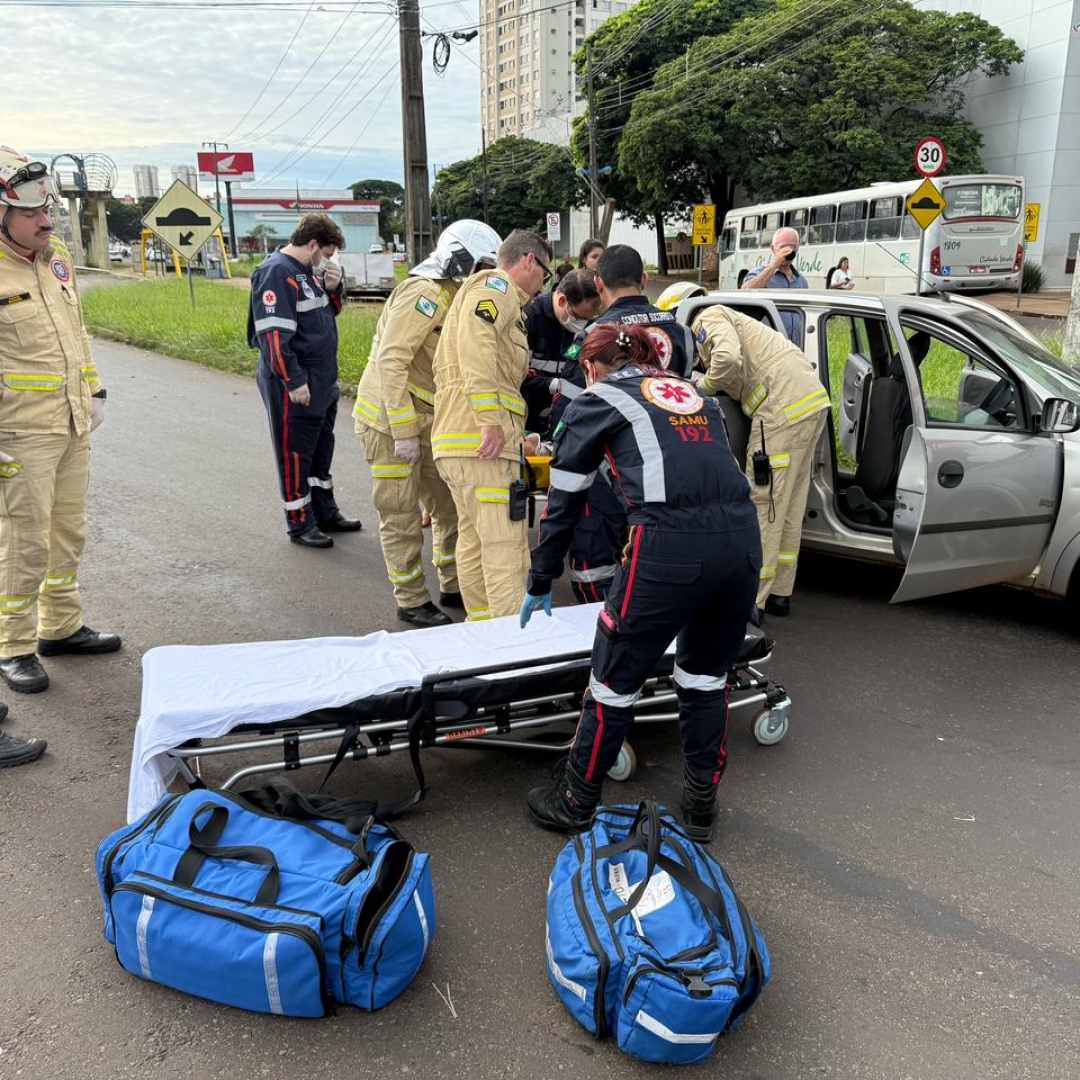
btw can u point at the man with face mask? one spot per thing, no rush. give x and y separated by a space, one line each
296 296
395 405
552 321
50 400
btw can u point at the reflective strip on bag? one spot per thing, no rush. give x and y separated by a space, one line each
366 410
422 916
421 392
409 575
60 581
779 461
270 973
442 558
755 400
142 933
804 405
397 471
662 1031
17 603
492 495
456 440
27 380
575 988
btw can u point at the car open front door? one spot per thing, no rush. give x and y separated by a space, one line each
975 503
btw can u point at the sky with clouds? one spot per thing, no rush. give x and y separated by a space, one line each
148 85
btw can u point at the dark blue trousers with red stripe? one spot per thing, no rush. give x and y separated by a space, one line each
303 437
696 589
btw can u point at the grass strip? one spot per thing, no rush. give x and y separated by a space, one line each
158 315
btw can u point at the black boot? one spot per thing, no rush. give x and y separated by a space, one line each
567 805
698 809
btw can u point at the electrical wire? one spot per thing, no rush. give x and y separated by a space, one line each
371 116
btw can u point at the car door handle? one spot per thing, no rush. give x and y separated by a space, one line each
950 474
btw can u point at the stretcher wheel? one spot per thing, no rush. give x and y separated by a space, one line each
625 764
770 725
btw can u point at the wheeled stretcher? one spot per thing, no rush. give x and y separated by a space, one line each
319 700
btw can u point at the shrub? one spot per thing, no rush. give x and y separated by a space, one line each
1034 279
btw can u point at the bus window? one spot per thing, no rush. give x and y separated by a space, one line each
769 224
981 200
727 241
851 223
910 228
798 220
821 224
749 234
884 219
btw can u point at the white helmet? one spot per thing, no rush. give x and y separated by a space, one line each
675 294
461 247
24 183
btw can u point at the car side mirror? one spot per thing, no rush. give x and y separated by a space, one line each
1059 416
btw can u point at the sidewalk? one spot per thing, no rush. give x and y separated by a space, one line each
1051 304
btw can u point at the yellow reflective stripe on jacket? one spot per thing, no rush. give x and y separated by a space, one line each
59 581
456 440
779 461
10 468
89 372
421 392
484 402
768 573
787 558
512 404
17 603
26 380
492 495
401 416
396 471
366 410
409 575
804 405
754 400
442 558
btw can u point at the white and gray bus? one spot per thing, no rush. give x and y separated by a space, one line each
975 243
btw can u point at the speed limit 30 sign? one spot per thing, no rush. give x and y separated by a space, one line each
929 156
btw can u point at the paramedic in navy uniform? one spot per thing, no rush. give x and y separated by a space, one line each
689 572
296 296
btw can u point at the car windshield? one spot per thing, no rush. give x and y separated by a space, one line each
1029 358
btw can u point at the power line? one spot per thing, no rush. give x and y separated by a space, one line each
371 116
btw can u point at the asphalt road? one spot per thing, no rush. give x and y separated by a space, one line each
910 850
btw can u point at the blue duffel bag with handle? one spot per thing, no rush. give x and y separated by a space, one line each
209 895
647 939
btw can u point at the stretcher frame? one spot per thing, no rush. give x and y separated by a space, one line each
477 708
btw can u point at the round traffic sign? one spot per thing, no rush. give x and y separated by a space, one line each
682 238
929 156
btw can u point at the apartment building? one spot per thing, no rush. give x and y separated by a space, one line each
529 86
147 185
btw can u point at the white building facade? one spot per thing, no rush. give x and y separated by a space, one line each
147 185
188 174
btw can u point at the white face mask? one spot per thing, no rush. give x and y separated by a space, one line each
574 324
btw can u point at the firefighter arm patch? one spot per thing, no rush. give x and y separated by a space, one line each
427 306
487 310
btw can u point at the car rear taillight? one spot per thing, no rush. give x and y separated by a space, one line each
935 260
1019 258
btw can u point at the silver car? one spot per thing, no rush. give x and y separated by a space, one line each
953 447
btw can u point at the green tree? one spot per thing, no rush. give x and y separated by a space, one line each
525 179
391 198
261 234
841 103
125 222
627 50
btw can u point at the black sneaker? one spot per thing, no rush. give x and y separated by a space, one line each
424 615
15 750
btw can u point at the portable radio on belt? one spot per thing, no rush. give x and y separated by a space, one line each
519 493
762 468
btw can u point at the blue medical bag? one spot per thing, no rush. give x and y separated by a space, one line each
208 895
647 939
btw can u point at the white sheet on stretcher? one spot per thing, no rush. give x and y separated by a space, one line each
202 691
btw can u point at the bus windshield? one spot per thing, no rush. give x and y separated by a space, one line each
982 200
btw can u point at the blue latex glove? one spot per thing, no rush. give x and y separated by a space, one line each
531 604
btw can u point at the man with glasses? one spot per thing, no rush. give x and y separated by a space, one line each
479 422
780 272
50 401
296 297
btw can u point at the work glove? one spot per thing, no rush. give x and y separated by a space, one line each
97 412
531 604
407 450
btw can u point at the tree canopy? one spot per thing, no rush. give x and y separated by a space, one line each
125 222
391 198
525 179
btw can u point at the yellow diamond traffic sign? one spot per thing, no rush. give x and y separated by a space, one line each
925 203
182 220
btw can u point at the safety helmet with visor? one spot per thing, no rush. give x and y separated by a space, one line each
675 294
24 184
462 248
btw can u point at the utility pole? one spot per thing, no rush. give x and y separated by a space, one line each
217 179
232 223
593 203
417 195
483 160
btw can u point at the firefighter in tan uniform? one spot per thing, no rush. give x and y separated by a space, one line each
480 364
395 405
50 401
780 392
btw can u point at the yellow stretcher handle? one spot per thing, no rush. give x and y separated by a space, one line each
538 474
